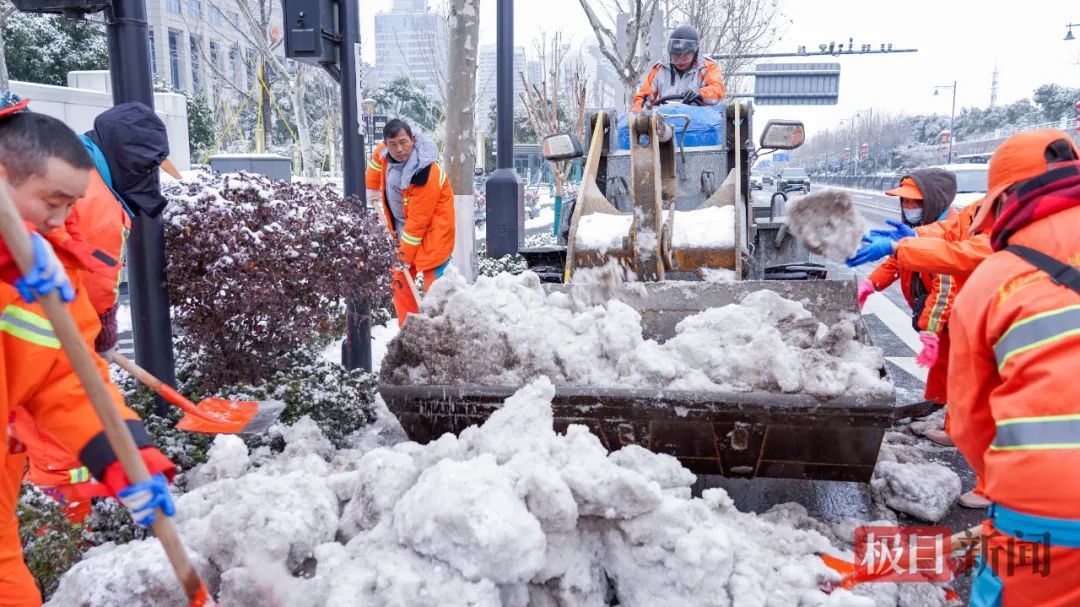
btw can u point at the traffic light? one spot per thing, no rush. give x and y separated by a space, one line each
1078 116
945 139
847 154
311 31
864 151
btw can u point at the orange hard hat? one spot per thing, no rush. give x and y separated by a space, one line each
1019 158
907 189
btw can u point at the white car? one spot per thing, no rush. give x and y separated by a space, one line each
970 182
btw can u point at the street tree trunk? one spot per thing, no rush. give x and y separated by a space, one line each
460 151
303 124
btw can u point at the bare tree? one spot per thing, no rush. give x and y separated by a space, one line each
460 97
557 102
732 27
7 9
628 55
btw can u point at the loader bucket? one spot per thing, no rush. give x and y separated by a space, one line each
735 434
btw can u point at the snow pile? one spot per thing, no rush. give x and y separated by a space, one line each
509 513
507 331
602 231
708 227
827 223
906 480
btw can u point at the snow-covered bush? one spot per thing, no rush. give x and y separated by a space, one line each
512 264
51 544
259 268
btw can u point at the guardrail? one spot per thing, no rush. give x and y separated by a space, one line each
878 183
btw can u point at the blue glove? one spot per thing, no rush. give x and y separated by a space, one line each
875 247
143 499
901 231
46 276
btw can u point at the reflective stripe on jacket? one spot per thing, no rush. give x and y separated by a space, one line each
1013 379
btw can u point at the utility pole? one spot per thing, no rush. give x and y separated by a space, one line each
130 76
952 117
994 86
356 349
505 192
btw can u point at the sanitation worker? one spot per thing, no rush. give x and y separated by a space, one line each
1013 387
696 79
44 168
418 203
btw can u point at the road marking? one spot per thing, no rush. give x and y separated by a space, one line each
898 321
907 364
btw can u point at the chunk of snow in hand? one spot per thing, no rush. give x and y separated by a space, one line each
509 513
488 334
827 223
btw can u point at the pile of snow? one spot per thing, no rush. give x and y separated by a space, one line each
712 227
602 231
905 480
507 331
508 514
827 223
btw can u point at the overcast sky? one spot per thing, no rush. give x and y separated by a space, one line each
957 40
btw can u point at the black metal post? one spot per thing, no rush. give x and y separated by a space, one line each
356 349
505 192
129 71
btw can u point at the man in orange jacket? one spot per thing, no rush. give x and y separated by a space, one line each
1015 362
925 196
696 80
418 203
953 253
44 168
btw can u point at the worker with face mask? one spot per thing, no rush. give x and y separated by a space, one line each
695 79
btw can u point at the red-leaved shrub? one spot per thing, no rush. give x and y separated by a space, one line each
260 268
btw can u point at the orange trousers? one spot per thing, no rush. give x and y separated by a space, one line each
17 586
1023 574
404 302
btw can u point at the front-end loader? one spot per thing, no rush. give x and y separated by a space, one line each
671 203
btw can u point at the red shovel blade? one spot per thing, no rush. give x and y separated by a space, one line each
225 416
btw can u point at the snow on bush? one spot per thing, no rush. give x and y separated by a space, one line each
489 334
258 268
509 513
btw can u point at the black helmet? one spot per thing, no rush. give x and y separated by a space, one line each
683 39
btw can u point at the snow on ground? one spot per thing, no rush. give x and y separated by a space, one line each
509 513
488 334
906 480
708 227
380 339
827 223
123 319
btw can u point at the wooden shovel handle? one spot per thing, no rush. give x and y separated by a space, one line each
409 280
67 332
165 390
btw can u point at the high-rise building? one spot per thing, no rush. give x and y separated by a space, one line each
410 42
486 61
201 48
603 88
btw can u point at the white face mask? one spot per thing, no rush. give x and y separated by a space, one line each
912 216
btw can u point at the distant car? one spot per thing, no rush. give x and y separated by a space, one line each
756 182
793 179
767 179
971 180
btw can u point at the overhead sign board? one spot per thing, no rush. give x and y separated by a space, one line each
797 83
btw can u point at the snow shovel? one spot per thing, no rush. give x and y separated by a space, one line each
212 415
409 280
852 575
118 436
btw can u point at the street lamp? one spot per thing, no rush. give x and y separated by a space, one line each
952 117
1068 31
